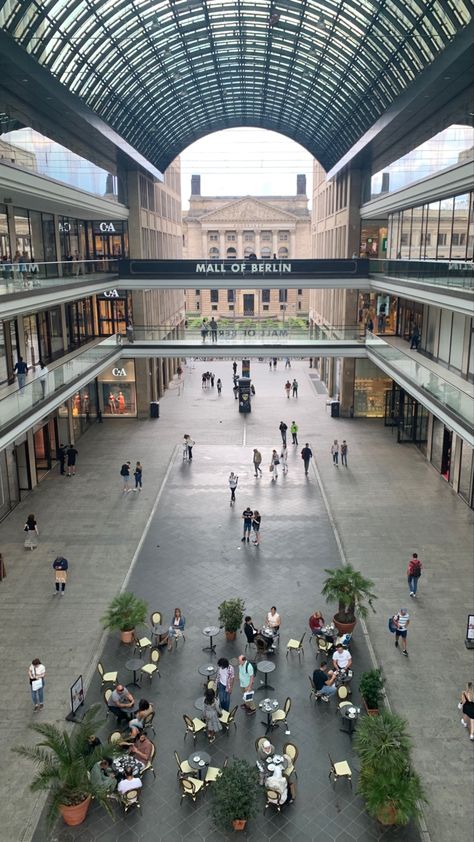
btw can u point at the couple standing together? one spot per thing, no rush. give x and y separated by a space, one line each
252 520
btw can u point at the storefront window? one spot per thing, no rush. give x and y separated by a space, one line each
80 322
4 236
370 386
45 445
72 235
442 230
466 473
113 313
22 233
117 393
379 309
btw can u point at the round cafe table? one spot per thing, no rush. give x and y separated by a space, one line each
207 670
265 667
199 760
199 704
133 665
268 706
160 631
210 632
349 714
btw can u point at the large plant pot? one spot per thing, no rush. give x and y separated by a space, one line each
387 815
343 628
127 636
75 815
370 711
230 635
239 824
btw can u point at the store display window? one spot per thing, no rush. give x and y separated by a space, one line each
378 312
118 391
370 385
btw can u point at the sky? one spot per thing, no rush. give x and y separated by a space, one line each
245 161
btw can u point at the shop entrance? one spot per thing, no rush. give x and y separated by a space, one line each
249 304
45 443
113 314
446 455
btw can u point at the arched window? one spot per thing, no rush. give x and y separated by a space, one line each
248 251
283 253
231 254
213 254
266 252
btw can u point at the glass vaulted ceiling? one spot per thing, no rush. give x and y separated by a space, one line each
164 73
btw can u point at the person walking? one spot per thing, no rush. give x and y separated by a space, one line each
212 379
275 461
61 457
283 428
36 675
31 533
204 330
287 362
284 459
401 621
125 474
415 338
257 461
138 474
306 455
413 574
189 444
344 450
71 460
288 389
335 453
43 378
294 432
234 368
275 360
212 710
294 388
247 515
130 332
256 521
467 706
213 325
219 385
233 482
246 680
21 370
225 682
60 567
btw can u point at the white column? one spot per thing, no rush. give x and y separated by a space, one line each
222 245
275 243
293 243
257 244
240 245
205 253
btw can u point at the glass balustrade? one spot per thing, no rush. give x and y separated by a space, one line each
448 273
24 276
261 333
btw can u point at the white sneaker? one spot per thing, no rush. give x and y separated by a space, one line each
463 723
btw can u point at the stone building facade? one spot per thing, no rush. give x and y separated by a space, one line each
232 227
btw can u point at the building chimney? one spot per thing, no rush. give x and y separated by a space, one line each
195 185
301 184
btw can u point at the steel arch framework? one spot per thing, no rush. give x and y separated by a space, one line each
163 74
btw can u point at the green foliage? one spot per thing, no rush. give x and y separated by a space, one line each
371 686
350 590
231 614
390 787
234 794
125 612
63 762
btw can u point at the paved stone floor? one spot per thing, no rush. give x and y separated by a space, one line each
191 556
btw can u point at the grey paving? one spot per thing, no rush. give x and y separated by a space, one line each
388 500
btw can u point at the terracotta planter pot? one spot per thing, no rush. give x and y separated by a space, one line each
230 635
344 628
239 824
370 711
75 815
127 636
387 815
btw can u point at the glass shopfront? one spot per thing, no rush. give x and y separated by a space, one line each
117 391
107 239
8 351
45 438
466 474
379 309
84 406
72 236
43 336
5 250
114 308
35 238
441 230
370 385
441 442
79 322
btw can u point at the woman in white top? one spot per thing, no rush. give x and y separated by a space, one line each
335 453
273 619
36 674
233 481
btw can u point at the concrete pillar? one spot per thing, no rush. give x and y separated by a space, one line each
142 378
204 244
347 385
275 243
240 245
222 244
159 377
354 202
293 243
257 244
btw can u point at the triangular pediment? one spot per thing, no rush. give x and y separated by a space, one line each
250 211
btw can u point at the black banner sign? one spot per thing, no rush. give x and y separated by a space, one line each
193 270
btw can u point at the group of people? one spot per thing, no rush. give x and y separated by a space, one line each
67 458
125 473
208 379
252 520
291 388
207 327
337 449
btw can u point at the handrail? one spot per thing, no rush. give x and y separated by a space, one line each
262 330
449 273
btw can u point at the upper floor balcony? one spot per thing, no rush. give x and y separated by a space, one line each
443 283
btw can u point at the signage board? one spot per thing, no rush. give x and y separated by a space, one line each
107 226
77 695
213 269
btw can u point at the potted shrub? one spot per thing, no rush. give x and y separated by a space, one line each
231 614
391 789
234 795
351 590
64 762
125 613
371 687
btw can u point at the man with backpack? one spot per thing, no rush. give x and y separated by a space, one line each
246 680
413 574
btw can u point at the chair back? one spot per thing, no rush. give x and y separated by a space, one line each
178 761
291 750
152 755
188 722
313 688
188 787
301 639
115 737
154 655
323 645
232 715
258 743
287 706
100 669
333 768
107 695
342 692
273 797
131 797
155 618
148 721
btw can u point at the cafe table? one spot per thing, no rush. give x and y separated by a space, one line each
210 632
268 706
199 760
265 667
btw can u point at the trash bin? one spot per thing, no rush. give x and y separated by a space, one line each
334 409
154 409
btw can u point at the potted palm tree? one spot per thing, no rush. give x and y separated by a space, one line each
391 788
125 613
234 795
371 689
351 590
231 614
64 763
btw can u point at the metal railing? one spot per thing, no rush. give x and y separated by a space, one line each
457 402
24 399
23 275
448 273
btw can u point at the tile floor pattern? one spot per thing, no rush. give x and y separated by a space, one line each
192 557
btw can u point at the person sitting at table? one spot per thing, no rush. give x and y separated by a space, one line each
121 702
316 623
212 709
278 783
144 709
176 628
103 776
93 742
129 782
342 659
273 619
142 749
264 751
324 682
249 630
